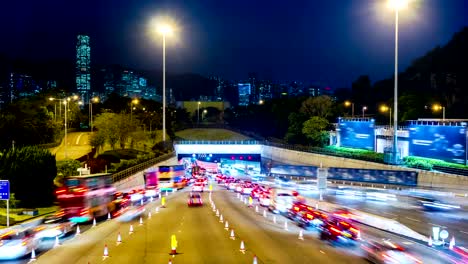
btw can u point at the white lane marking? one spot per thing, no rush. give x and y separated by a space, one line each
390 214
78 139
464 232
407 243
321 251
412 219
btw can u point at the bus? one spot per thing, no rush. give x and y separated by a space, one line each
85 197
171 178
151 182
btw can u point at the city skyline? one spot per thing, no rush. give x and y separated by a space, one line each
321 43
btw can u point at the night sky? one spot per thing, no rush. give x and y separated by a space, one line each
328 43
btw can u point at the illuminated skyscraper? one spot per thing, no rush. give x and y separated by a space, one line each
83 67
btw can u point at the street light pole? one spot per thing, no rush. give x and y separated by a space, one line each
164 87
395 95
66 102
198 114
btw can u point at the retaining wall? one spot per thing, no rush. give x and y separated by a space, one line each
426 179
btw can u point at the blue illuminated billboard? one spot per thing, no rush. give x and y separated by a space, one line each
357 133
438 142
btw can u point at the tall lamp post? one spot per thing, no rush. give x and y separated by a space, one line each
95 100
384 109
198 113
134 101
438 108
164 30
347 104
396 5
65 101
364 108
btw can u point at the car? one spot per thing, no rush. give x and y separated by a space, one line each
295 210
339 231
17 243
264 199
387 252
52 226
432 204
198 187
195 199
310 217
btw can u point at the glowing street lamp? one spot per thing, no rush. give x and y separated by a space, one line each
198 113
396 5
93 100
384 109
347 104
133 102
164 29
438 107
364 108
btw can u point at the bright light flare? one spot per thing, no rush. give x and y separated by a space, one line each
165 29
397 4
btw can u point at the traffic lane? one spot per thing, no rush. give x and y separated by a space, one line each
199 235
89 246
415 218
269 241
421 251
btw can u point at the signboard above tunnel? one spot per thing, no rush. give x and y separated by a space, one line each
357 133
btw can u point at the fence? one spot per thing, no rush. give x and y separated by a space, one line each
118 176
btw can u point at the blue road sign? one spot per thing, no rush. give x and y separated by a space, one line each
4 190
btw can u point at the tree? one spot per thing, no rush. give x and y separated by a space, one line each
294 134
97 140
108 124
31 171
315 129
321 106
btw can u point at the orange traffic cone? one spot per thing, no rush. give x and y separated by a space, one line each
452 243
226 225
264 213
106 252
217 212
119 239
78 232
285 225
254 260
221 219
157 209
256 208
274 219
108 216
141 220
429 243
170 261
94 222
242 247
57 242
232 236
131 230
33 255
301 236
149 215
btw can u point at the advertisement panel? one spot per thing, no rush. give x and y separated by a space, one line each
407 178
438 142
357 133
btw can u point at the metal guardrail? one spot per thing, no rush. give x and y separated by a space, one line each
218 142
118 176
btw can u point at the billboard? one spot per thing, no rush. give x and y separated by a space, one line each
438 142
408 178
357 133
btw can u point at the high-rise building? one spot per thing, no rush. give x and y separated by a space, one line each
244 93
83 67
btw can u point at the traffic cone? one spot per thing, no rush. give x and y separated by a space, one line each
141 220
256 208
255 260
94 222
119 239
108 216
214 208
232 236
106 252
141 201
78 232
238 195
157 209
429 243
131 230
151 199
226 225
286 225
264 213
33 255
173 245
170 261
301 236
57 242
452 243
221 219
242 247
316 206
274 219
217 212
